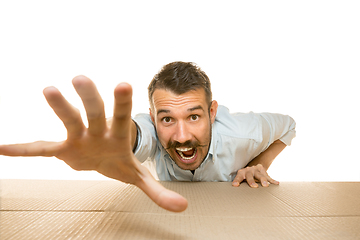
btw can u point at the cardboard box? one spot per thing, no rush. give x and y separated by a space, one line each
51 209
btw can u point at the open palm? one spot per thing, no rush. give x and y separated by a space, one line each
106 149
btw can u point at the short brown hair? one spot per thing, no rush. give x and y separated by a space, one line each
180 78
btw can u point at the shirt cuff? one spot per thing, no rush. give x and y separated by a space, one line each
288 137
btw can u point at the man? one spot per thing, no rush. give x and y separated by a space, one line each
186 136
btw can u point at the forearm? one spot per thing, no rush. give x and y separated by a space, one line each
267 157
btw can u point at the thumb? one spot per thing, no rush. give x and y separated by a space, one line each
39 148
163 197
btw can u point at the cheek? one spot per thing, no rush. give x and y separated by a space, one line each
163 135
202 132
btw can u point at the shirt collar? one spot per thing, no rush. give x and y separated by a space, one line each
213 144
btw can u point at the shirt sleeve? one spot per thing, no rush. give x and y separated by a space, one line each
278 127
147 140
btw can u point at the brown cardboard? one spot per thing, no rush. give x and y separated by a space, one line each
49 209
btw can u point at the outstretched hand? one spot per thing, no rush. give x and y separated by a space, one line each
106 149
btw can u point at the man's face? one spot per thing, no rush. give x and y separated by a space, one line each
183 124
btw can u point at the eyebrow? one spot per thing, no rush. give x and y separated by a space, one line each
189 109
163 111
196 108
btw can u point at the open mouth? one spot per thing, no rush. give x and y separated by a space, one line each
187 155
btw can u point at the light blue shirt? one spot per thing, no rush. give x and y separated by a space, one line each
236 140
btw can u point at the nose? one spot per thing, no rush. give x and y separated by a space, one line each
182 134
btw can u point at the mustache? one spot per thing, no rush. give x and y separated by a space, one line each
187 144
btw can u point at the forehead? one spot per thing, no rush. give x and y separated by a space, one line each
167 100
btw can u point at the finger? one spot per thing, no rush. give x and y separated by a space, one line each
40 148
68 114
250 179
121 121
93 103
163 197
272 181
262 178
240 176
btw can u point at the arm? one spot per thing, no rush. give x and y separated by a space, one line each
279 130
256 169
101 147
267 157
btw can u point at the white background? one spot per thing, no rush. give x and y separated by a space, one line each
300 58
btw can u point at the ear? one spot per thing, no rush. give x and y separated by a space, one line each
213 110
152 116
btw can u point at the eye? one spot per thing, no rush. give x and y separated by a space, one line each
166 119
194 117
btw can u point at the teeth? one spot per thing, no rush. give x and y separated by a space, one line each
182 155
183 149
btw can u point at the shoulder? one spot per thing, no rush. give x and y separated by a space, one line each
145 123
143 118
242 125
